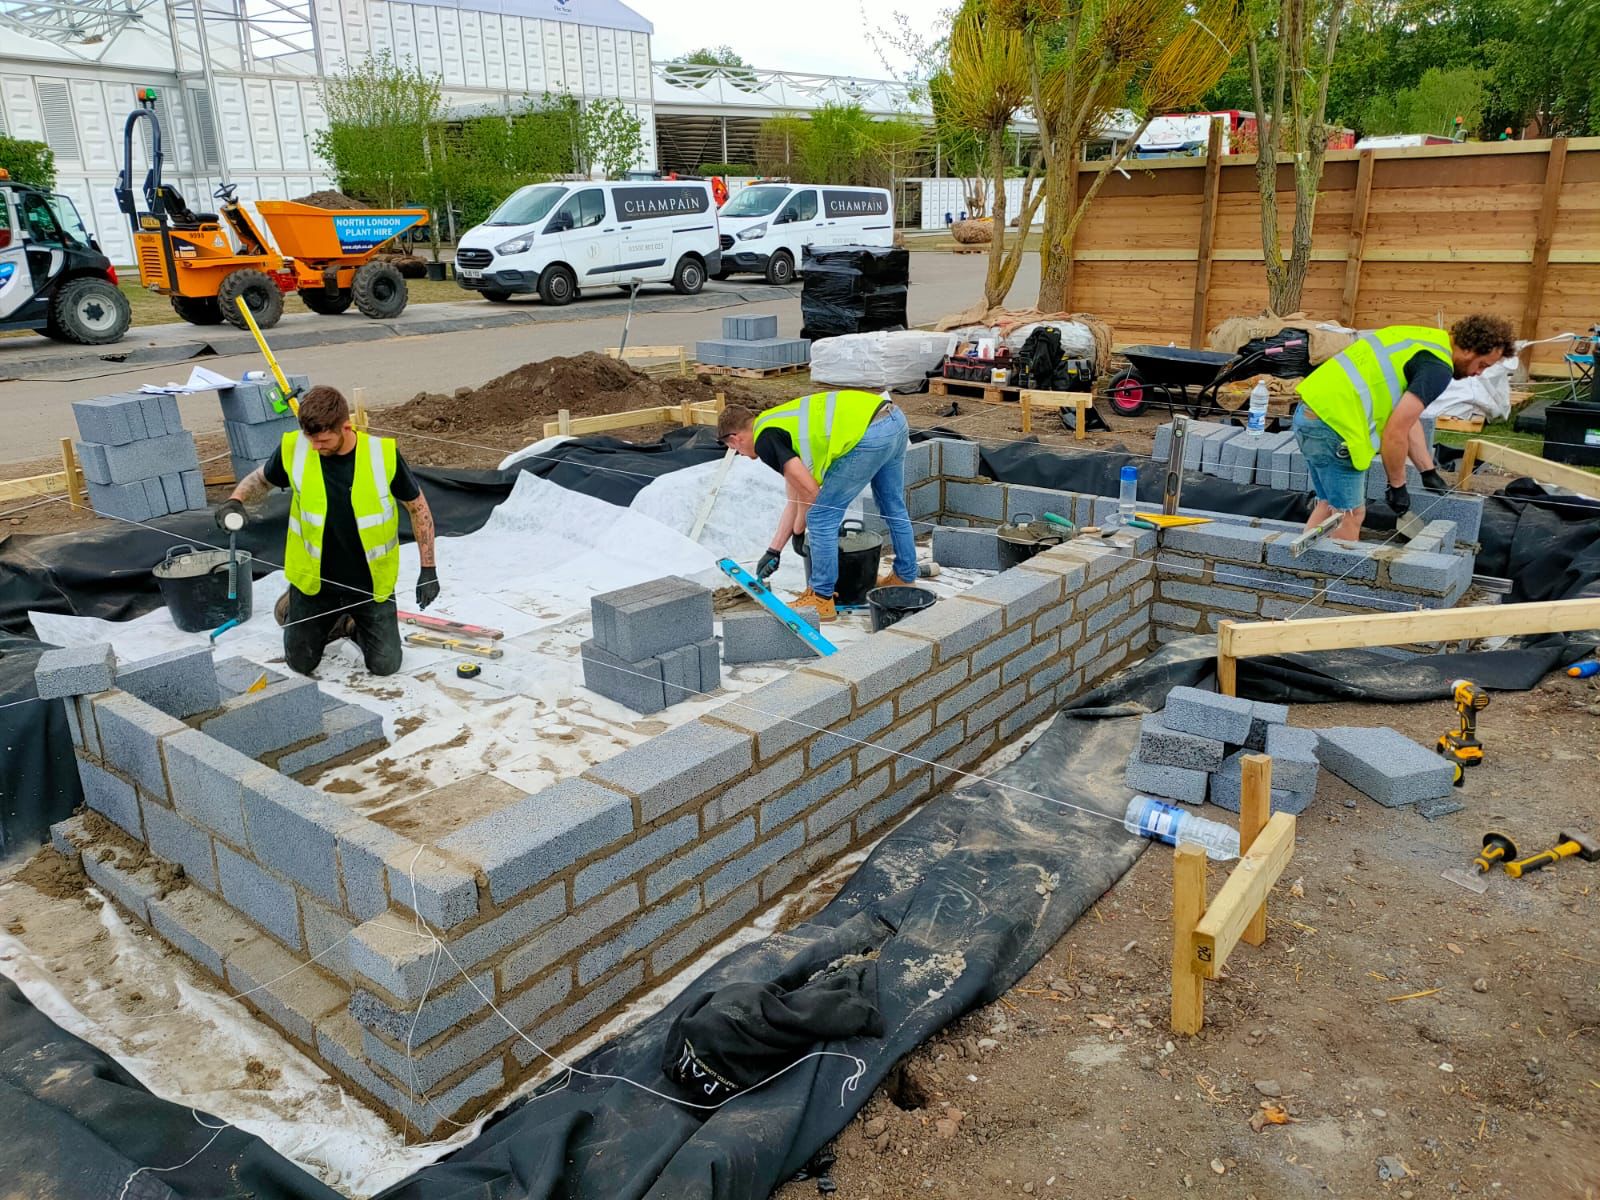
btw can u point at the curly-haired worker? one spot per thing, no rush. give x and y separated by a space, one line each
1364 403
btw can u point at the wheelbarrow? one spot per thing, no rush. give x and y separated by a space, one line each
1180 378
331 253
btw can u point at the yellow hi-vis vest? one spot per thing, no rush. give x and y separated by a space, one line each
824 426
377 518
1354 392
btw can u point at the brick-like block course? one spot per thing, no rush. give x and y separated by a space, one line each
705 853
758 636
1384 764
579 929
954 626
279 715
641 853
444 1008
204 779
206 930
346 728
876 667
149 458
788 710
75 671
1327 557
133 890
1161 745
957 460
130 738
1236 543
678 766
519 846
651 923
985 501
268 901
803 793
173 839
1021 594
110 796
971 549
293 830
365 850
181 683
1209 714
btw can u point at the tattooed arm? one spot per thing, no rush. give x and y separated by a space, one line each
252 487
421 527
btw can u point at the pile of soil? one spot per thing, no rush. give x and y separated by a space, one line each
511 410
330 200
409 265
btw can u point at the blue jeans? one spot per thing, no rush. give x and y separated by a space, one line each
878 459
1334 478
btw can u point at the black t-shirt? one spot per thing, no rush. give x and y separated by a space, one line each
344 560
775 448
1427 376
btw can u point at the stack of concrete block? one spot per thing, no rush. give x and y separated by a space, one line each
755 636
752 343
138 461
1194 749
253 422
1385 765
972 549
653 645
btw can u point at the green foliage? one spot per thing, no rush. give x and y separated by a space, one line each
1433 105
842 144
380 113
726 169
733 68
488 157
610 137
713 56
28 162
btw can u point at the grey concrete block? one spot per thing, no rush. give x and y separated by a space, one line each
1170 783
266 900
1041 651
1436 573
150 458
172 489
1289 469
130 738
654 922
1001 648
175 840
803 793
1107 614
75 671
1164 747
1440 806
581 928
710 652
639 685
1034 502
1384 764
1163 443
1209 714
261 439
852 736
1327 557
957 460
453 1001
133 891
1227 789
750 328
194 490
918 464
205 929
111 797
1021 594
752 863
676 767
435 888
346 728
512 927
758 636
155 495
388 954
181 683
1211 447
519 847
790 709
327 937
279 715
294 830
1378 479
972 549
635 626
203 778
1465 511
923 503
1236 543
1170 565
111 420
680 673
243 466
986 501
705 929
954 707
954 626
1175 617
637 855
1209 599
294 1000
1270 445
1264 717
573 1017
1294 757
127 501
171 416
251 403
1237 460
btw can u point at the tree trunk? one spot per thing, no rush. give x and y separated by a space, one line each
993 293
1055 251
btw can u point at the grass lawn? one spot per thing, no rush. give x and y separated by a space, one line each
1502 433
151 309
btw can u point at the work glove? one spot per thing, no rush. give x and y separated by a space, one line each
229 508
427 586
1435 482
1398 500
768 564
797 543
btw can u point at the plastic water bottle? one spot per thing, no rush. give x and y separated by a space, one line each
1258 409
1127 491
1153 819
1585 670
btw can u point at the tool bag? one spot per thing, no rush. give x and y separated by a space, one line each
1039 362
1286 354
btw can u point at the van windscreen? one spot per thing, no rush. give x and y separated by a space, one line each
526 205
755 202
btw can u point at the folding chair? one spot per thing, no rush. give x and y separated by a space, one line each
1580 368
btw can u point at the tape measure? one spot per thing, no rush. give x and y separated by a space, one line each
468 670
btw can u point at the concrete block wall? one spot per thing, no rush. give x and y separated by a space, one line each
253 422
138 461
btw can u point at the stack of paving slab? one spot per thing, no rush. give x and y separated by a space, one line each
752 343
653 645
1194 749
138 460
253 422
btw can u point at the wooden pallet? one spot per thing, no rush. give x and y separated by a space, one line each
752 372
980 249
1459 424
966 389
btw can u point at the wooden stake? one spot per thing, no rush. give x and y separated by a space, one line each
564 421
358 397
1208 234
1555 168
74 481
1227 664
1245 890
1356 252
1188 906
1255 807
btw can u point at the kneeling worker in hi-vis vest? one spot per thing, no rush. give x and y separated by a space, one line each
1365 402
342 556
829 447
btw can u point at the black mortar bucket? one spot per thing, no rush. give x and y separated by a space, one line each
859 554
1025 537
194 583
890 604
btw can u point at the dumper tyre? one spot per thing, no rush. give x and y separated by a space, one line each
198 310
558 285
689 277
88 311
379 290
329 304
259 292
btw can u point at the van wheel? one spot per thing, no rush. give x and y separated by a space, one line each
690 276
495 295
558 286
379 290
780 268
88 312
259 292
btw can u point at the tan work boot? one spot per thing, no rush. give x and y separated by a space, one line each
821 605
890 579
280 610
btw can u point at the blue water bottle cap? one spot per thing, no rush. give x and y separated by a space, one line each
1130 472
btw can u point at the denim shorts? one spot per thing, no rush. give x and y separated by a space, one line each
1334 480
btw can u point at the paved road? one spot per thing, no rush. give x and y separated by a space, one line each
35 412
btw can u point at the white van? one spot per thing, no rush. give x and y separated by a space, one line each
558 238
765 226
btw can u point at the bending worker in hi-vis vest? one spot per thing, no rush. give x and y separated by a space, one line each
829 447
1364 403
342 556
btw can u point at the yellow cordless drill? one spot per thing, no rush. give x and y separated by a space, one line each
1460 745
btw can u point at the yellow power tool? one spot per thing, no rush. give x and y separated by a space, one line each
1460 745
